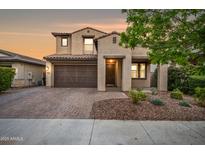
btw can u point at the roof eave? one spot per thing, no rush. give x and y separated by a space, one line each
88 28
23 61
106 35
60 34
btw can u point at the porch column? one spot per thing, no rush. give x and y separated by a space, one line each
101 73
126 73
49 74
162 80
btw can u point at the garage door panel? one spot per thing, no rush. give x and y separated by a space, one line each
75 76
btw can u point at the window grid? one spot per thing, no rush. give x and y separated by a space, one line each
88 45
114 40
138 71
64 42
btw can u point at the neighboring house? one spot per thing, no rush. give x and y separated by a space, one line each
92 58
29 71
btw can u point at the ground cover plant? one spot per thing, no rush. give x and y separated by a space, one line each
137 96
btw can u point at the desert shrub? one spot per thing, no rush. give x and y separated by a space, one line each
137 96
154 91
157 102
154 79
200 96
176 94
184 103
6 77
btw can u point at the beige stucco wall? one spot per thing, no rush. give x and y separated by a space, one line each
77 40
49 74
142 83
60 49
139 52
22 70
107 48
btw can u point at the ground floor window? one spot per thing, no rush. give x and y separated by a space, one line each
138 70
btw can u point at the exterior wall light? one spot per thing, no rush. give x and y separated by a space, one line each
111 60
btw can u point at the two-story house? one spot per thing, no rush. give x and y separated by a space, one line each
92 58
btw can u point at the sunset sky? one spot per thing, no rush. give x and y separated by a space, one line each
28 32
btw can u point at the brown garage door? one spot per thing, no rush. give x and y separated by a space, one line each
75 76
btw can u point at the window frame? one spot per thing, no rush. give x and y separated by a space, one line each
114 40
88 44
62 42
138 70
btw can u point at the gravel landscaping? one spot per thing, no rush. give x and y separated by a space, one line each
124 109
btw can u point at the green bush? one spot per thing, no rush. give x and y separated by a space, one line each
181 78
157 102
184 103
137 96
177 78
194 82
200 96
176 94
6 77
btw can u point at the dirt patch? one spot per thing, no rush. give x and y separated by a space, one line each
124 109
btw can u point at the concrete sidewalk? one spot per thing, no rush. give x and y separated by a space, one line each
79 131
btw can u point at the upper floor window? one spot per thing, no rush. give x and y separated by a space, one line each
64 42
114 40
138 70
88 45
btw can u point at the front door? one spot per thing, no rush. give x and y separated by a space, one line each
110 74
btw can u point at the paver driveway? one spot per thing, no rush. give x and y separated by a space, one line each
42 102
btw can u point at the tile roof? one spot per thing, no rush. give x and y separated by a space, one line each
14 57
62 57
